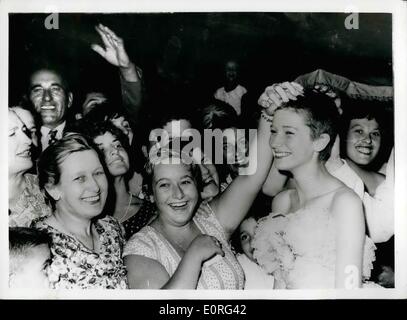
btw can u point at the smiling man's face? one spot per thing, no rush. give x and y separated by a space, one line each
49 97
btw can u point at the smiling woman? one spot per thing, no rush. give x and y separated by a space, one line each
26 201
187 245
364 140
86 249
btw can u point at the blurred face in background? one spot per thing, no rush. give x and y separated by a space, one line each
123 124
210 180
235 147
231 71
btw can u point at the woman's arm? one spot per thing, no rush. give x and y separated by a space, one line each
274 183
350 238
115 53
232 205
146 273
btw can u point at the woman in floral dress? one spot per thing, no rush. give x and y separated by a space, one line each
86 249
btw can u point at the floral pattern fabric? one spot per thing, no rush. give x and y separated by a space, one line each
74 266
30 205
299 249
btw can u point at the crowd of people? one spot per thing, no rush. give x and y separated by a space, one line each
294 191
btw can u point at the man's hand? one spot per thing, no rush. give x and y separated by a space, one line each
114 51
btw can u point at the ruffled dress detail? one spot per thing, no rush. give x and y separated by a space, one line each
299 249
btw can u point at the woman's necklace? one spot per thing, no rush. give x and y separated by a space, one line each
123 218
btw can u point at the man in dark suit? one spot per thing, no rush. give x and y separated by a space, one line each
51 98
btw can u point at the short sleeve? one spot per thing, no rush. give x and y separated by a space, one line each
210 224
141 244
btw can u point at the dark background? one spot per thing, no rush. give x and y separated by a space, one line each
190 48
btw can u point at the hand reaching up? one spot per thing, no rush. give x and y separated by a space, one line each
113 51
277 94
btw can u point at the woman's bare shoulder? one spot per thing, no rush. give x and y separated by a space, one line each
282 201
346 205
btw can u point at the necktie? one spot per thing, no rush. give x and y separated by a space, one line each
52 137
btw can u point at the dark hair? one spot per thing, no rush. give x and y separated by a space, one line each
371 110
321 116
94 130
106 110
54 69
217 115
48 166
22 239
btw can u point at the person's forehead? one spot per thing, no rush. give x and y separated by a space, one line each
105 137
364 122
13 120
248 225
80 161
289 116
170 171
231 65
43 76
118 118
24 114
185 123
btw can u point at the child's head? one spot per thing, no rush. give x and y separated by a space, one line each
242 239
29 256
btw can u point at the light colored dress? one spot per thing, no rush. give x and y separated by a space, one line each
379 209
74 266
217 273
30 205
255 276
234 97
299 249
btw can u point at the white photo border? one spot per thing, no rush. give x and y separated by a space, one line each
397 8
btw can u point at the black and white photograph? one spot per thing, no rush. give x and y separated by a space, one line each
253 152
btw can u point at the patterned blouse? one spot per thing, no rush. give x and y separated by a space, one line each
30 205
74 266
217 273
